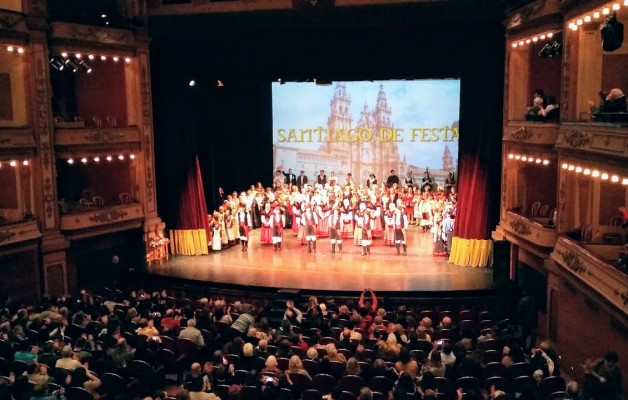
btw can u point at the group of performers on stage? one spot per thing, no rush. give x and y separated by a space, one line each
342 213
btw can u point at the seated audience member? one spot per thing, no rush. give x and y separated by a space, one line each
25 352
192 333
147 328
573 390
85 379
365 394
195 389
66 361
295 366
436 365
333 355
249 361
615 102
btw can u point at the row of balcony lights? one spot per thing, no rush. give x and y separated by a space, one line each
533 39
14 163
92 57
595 15
529 159
594 173
97 159
11 48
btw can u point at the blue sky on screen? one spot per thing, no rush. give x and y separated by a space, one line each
414 104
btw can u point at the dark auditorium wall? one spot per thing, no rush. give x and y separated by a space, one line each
549 77
230 127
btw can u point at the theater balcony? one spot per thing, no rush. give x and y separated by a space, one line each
98 190
598 265
536 230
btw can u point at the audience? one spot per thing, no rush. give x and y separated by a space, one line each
110 336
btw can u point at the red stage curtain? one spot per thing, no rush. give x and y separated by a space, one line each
472 214
192 206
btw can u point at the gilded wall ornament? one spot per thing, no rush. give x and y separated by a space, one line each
572 261
577 138
520 227
522 134
108 216
103 136
6 235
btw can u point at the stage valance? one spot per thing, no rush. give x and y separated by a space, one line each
471 252
188 242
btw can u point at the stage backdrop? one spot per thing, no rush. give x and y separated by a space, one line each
367 127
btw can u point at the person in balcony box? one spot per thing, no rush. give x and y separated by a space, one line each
615 102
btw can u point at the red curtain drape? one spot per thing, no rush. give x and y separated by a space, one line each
472 214
192 206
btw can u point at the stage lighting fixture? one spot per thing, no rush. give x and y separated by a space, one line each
57 63
86 66
71 64
612 32
551 49
70 161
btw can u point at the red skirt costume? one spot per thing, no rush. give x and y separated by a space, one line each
266 231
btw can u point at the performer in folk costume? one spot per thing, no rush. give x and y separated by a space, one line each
438 237
389 230
347 219
245 222
235 229
375 208
277 221
367 230
400 224
309 221
324 212
266 233
335 224
224 239
296 212
216 228
357 230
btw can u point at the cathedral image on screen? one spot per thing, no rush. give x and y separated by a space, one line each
361 158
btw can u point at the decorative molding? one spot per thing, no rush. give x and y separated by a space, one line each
577 138
520 227
19 232
8 21
97 218
572 261
43 126
147 131
109 36
98 136
103 136
108 216
6 235
48 197
521 134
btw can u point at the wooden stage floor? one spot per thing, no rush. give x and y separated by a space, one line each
294 268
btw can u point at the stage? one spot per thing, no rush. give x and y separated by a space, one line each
294 268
